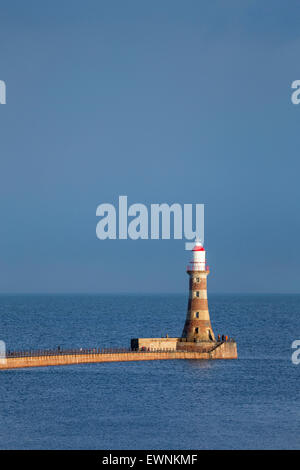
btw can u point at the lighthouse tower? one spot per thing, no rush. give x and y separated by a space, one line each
197 326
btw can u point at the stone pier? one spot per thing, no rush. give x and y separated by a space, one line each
222 351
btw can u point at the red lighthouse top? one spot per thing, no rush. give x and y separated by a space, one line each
198 246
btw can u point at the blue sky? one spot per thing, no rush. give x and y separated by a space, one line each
163 101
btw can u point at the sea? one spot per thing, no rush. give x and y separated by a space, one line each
249 403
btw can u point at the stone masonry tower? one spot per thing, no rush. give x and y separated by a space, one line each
197 326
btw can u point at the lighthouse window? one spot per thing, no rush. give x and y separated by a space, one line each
197 314
197 293
198 279
196 330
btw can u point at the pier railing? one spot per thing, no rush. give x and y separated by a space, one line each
80 351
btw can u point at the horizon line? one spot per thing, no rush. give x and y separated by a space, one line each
142 293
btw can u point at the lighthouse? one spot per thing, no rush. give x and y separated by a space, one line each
197 326
197 340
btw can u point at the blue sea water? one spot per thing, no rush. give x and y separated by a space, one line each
249 403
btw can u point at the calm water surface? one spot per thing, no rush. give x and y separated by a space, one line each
249 403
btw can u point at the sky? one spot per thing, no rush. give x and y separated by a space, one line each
165 102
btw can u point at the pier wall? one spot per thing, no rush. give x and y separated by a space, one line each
42 361
224 350
154 343
227 350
